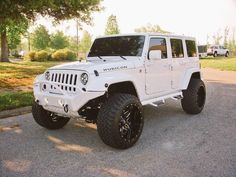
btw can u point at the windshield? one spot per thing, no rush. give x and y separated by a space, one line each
118 46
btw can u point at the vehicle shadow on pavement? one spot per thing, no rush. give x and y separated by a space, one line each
81 137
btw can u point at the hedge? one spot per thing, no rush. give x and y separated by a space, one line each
63 54
59 55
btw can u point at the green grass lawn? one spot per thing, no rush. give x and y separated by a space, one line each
222 63
11 100
21 74
16 81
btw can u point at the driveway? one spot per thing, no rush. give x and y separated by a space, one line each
172 144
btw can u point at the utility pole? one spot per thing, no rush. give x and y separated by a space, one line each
28 41
77 36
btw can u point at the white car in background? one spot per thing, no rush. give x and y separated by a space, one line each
217 50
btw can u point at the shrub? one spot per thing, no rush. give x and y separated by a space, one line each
70 55
41 56
30 56
59 55
63 54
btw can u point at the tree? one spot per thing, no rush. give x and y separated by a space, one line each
59 40
40 38
15 11
14 34
207 40
73 43
112 26
233 41
217 38
151 28
226 34
85 42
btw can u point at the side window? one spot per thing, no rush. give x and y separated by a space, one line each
191 48
177 48
158 44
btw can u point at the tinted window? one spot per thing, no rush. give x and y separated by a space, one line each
191 48
202 48
177 48
158 44
118 46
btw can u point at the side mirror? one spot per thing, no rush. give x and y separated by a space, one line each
155 55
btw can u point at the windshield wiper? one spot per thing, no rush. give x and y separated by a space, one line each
99 57
123 57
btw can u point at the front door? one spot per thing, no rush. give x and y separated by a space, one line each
158 72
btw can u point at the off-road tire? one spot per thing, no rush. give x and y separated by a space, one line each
47 119
215 54
194 97
110 117
227 54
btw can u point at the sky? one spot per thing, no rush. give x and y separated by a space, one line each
197 18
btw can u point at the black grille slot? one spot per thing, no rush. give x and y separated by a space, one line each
75 79
59 79
52 77
67 78
71 78
56 77
63 76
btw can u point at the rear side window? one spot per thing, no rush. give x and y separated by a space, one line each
191 48
158 44
177 48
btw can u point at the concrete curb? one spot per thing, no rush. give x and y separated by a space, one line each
15 112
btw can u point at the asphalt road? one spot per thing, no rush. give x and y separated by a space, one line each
172 144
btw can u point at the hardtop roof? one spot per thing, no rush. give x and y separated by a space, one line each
148 35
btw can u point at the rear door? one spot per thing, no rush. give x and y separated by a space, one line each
184 56
179 61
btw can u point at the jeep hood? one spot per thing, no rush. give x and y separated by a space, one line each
99 65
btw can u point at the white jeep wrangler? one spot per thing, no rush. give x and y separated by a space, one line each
121 74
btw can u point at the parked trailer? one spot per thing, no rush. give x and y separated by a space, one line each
202 50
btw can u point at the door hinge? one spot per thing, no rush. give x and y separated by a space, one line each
171 83
171 67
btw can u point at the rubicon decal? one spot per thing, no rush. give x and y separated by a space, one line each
115 68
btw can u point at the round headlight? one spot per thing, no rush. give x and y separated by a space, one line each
47 75
84 78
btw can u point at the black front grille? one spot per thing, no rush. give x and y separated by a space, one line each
65 81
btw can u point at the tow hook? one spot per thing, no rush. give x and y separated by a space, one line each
66 108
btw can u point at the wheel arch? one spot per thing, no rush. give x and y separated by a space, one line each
191 74
123 87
